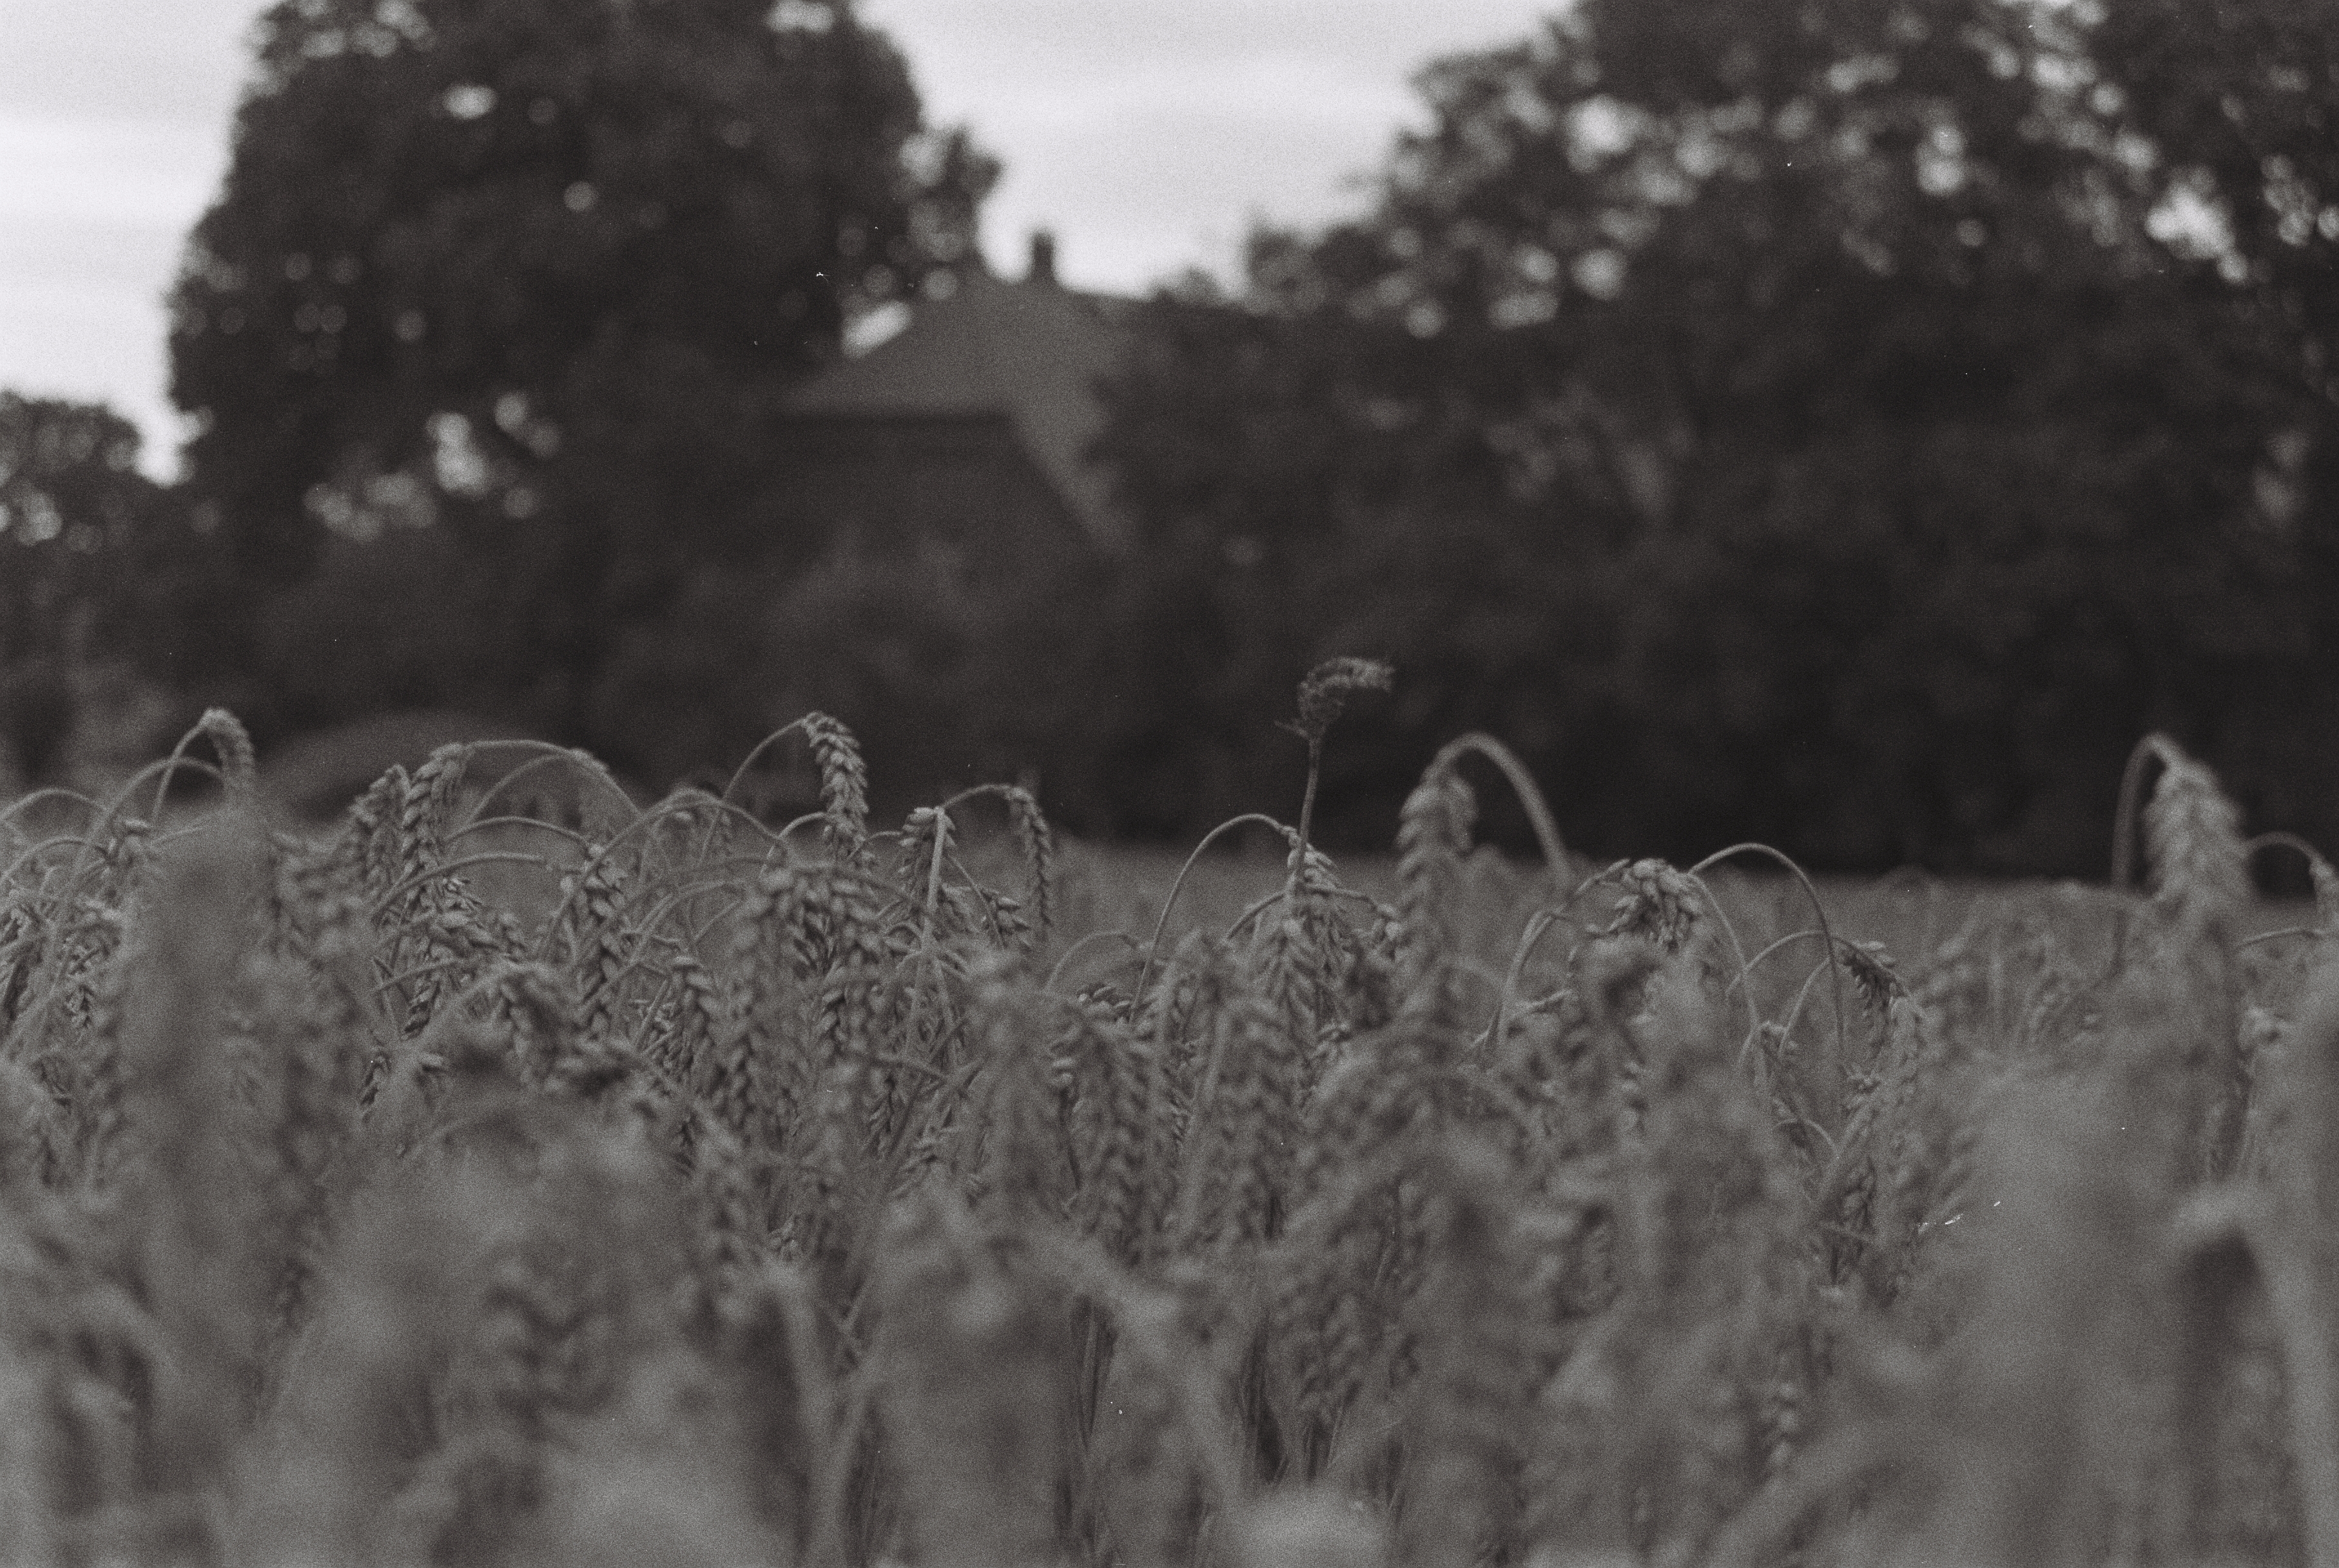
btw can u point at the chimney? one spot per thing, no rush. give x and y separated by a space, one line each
1043 259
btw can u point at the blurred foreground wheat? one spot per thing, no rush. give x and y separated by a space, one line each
753 1197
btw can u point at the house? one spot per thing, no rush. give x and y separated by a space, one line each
970 428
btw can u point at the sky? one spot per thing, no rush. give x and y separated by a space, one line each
1149 134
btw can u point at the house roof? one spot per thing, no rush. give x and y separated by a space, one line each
1030 351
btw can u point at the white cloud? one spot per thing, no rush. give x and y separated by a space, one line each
180 62
84 169
1152 137
94 343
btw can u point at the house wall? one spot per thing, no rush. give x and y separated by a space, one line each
961 484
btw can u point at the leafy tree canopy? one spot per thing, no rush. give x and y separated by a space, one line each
1830 419
99 573
536 272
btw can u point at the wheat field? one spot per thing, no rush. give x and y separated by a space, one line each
480 1183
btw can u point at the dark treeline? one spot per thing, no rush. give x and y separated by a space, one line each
1850 424
1846 424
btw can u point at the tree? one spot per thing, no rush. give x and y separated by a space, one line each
537 274
2233 106
100 577
1802 420
2230 110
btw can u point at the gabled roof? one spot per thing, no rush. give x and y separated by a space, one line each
1031 351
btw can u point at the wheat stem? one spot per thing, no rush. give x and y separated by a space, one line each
2150 749
1819 912
549 756
1056 975
1153 947
1530 796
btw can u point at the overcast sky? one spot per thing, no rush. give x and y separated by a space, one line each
1147 134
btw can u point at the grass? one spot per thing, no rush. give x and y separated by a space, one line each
480 1183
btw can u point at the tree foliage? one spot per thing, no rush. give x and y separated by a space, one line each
100 577
1833 420
537 274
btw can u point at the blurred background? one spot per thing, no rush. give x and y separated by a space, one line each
1849 424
